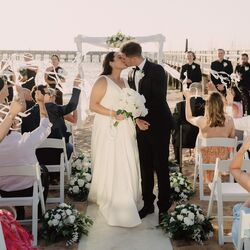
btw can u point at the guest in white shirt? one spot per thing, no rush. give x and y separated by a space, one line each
17 149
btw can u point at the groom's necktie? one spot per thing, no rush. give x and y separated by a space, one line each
133 78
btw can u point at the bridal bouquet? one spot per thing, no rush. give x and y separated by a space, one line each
81 162
79 186
188 222
131 104
65 223
181 189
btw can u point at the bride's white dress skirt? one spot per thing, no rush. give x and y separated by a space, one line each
116 181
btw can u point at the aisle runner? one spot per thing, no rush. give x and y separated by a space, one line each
143 237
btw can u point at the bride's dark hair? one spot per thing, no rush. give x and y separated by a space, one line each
107 69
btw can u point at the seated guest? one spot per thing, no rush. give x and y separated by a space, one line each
214 123
17 149
56 115
15 108
243 179
189 132
190 72
224 69
4 91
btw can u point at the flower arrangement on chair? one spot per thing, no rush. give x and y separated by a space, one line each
65 223
187 222
181 188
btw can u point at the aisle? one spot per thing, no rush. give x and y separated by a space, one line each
143 237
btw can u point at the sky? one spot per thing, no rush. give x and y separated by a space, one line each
53 24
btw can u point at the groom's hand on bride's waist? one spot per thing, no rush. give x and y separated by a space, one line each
143 125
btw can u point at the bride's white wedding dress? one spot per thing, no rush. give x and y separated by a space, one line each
115 186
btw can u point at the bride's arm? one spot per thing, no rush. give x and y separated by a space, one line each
97 93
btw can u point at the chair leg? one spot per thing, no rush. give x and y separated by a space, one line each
35 214
201 183
195 176
62 184
220 221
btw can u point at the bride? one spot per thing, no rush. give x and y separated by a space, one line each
116 179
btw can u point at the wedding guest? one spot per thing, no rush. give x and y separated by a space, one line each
16 150
191 71
214 123
243 70
223 69
4 91
8 76
189 132
55 73
56 114
242 178
15 108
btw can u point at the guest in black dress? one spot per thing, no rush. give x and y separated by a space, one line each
221 68
243 70
57 72
190 72
8 76
28 76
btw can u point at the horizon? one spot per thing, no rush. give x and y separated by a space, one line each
210 24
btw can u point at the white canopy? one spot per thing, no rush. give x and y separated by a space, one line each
101 42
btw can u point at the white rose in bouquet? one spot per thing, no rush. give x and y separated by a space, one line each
80 182
76 189
131 104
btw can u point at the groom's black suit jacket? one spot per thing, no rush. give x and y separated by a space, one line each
153 144
154 88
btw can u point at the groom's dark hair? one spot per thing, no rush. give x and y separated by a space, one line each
131 49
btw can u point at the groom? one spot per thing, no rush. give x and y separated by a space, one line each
153 135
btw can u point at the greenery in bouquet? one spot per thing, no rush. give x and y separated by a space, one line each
65 223
79 186
187 222
116 40
23 72
81 162
181 188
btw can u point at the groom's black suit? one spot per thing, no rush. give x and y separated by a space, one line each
154 143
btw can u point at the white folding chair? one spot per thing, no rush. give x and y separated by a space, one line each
200 167
57 144
244 233
224 192
26 201
2 240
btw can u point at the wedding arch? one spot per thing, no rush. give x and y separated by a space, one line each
102 42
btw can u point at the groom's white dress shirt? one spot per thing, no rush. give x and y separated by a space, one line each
137 79
19 150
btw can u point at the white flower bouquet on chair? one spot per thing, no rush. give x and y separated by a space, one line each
79 186
181 188
81 162
65 223
187 222
131 104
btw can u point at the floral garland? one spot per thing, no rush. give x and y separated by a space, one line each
187 222
181 189
65 223
116 40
